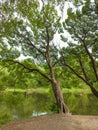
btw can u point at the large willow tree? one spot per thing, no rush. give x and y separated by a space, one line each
28 28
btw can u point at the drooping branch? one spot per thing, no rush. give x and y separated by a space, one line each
76 73
95 92
73 70
30 69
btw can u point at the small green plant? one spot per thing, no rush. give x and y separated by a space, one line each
4 118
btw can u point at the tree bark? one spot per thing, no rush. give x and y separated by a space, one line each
94 91
59 97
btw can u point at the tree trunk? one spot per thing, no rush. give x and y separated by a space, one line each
94 91
59 97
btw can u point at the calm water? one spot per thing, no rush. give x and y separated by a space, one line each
18 106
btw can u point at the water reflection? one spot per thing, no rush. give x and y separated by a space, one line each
38 113
18 106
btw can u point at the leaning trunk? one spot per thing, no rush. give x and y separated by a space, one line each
59 97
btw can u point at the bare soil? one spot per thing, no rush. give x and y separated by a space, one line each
54 122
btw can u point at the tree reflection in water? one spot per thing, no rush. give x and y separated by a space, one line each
19 106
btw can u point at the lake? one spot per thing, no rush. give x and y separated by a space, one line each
15 106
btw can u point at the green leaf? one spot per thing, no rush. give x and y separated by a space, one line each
69 11
63 38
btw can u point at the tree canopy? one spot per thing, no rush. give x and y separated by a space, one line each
83 28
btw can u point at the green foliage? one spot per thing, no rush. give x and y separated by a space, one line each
14 100
4 118
81 25
95 84
63 38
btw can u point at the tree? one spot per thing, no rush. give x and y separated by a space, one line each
82 26
29 29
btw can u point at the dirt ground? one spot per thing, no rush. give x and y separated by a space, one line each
54 122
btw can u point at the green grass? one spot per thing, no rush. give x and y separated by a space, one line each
75 90
46 90
39 90
16 90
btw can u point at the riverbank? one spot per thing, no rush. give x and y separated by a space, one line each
54 122
47 90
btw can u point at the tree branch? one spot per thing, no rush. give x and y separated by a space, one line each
89 54
82 68
91 58
34 46
30 69
75 72
31 44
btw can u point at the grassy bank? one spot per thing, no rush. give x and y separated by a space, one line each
47 90
39 90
